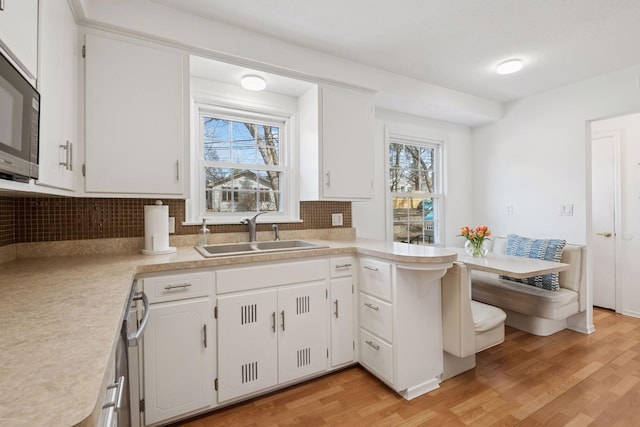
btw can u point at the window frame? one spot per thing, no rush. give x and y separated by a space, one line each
417 138
289 197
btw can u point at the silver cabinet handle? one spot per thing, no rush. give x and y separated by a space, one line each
180 286
374 346
273 322
70 151
68 156
328 174
336 313
117 403
282 317
132 339
371 306
343 266
1 4
205 335
370 268
177 170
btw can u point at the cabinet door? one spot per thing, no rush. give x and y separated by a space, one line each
247 343
342 345
19 32
347 144
178 349
57 82
302 345
135 108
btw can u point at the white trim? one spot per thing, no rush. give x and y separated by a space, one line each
224 108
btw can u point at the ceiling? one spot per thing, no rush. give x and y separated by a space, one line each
452 43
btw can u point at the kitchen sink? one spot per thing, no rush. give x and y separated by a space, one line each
229 249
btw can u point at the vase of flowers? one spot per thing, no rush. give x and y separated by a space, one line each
477 240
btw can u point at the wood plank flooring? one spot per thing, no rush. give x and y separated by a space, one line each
567 379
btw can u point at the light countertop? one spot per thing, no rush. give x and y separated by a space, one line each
61 318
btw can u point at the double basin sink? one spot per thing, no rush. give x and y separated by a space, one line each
229 249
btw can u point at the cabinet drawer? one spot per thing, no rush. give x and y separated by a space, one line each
375 278
375 316
341 267
376 355
177 286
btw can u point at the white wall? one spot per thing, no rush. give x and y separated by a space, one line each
628 237
369 217
535 157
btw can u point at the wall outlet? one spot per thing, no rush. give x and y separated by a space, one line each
172 224
336 220
509 210
566 209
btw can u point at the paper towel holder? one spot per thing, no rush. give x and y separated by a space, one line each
156 219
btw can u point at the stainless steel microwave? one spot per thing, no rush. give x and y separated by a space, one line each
19 124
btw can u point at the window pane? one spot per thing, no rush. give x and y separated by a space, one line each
216 139
268 145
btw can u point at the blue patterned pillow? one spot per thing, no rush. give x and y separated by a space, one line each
546 249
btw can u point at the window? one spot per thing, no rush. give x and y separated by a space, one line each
242 164
415 194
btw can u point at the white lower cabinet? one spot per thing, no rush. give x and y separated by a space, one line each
178 347
270 337
341 311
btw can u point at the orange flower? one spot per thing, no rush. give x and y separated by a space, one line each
487 233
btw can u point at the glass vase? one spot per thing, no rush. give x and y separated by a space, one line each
477 249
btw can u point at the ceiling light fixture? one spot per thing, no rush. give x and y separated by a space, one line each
253 82
509 66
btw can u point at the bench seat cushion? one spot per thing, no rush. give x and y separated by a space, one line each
525 299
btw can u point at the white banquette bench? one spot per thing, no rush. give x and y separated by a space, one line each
468 326
531 309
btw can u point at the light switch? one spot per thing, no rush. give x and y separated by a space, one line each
509 210
566 209
336 220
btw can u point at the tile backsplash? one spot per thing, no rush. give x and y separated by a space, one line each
47 219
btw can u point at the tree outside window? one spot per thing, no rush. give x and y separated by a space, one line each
414 189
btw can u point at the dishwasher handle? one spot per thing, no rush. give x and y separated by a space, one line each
132 338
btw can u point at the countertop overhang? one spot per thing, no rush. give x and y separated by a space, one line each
61 318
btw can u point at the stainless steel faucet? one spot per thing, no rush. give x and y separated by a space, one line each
276 233
251 223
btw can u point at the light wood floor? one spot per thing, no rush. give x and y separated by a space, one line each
567 379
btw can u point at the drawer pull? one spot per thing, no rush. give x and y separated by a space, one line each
371 268
181 286
371 306
374 346
119 386
343 266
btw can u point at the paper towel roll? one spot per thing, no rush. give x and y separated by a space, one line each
156 230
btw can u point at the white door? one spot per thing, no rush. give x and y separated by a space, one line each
341 321
178 372
302 341
247 343
604 169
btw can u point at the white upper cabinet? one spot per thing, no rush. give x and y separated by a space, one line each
336 144
136 106
58 86
19 33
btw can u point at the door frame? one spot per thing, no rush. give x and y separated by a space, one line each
616 134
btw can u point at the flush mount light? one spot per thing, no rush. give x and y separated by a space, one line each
253 82
509 66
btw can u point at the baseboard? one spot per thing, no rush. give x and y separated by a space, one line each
420 389
631 313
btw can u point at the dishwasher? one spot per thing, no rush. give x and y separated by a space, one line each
135 321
